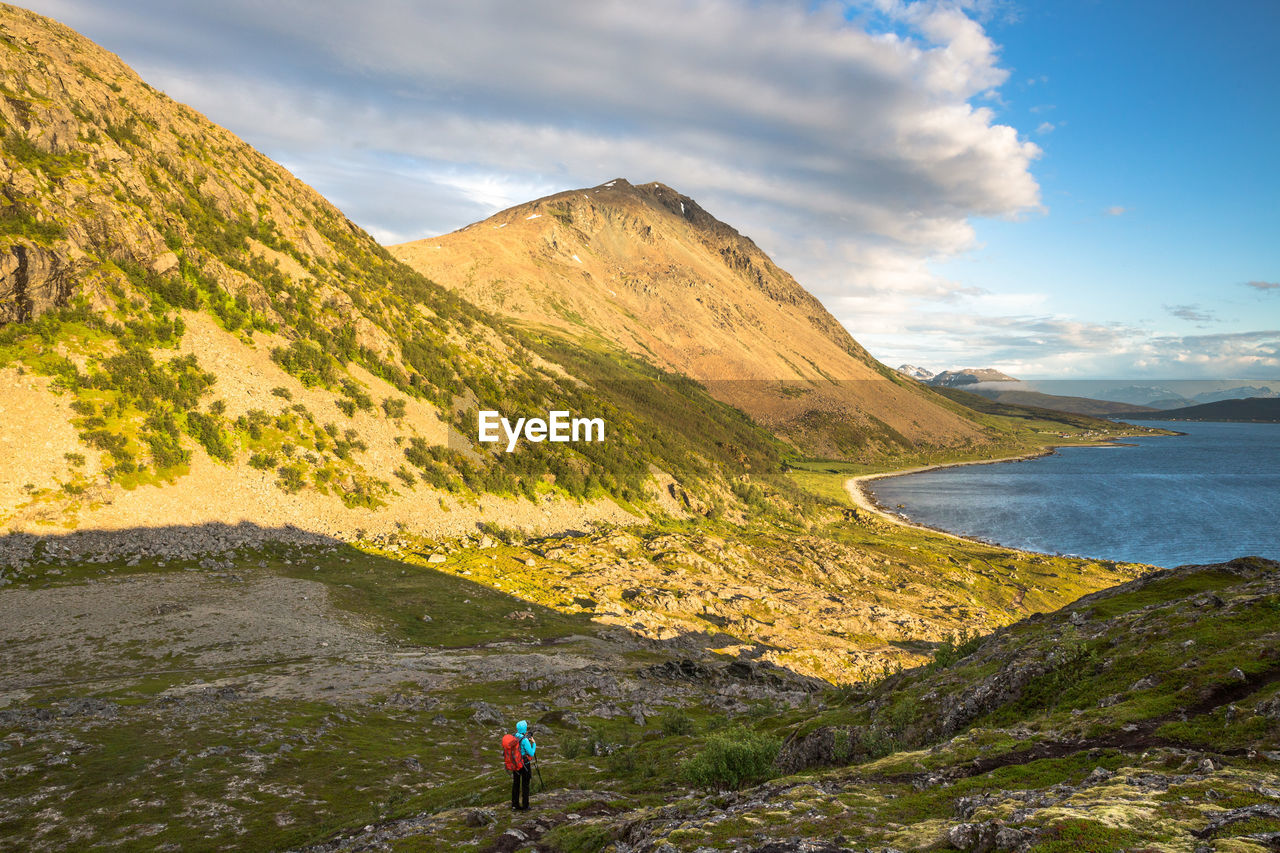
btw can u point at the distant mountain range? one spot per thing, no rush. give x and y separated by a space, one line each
1074 405
1096 398
1161 397
968 376
1253 409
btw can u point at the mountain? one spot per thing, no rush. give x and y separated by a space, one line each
200 337
969 376
921 373
1242 392
1163 398
1154 396
1074 405
1255 409
647 269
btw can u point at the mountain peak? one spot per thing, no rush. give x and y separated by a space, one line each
648 269
969 376
915 372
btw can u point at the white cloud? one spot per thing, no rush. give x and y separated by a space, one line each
780 117
1045 127
856 151
1191 313
1263 285
1045 346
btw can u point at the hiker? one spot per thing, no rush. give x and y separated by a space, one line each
517 754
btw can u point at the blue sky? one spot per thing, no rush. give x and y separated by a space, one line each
1159 131
1057 189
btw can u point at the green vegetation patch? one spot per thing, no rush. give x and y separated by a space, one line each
1081 835
733 758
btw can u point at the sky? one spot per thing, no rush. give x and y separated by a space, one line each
1057 189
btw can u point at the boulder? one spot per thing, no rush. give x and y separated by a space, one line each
485 714
478 817
33 280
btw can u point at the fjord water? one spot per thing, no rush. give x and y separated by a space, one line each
1204 497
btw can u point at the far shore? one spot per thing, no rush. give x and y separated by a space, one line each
864 501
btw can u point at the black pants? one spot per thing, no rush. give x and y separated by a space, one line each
520 787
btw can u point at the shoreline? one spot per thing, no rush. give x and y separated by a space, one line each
863 500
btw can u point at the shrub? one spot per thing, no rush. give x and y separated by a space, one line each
506 535
116 445
955 647
307 361
291 478
207 429
163 440
393 408
875 742
733 758
353 392
283 393
262 461
676 722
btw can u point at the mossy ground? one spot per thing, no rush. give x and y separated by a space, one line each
177 763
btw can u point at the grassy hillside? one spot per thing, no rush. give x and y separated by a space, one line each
184 304
1144 717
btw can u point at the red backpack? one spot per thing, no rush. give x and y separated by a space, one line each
512 755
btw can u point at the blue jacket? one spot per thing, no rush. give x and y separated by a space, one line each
527 746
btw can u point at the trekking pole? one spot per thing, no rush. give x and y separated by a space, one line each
537 767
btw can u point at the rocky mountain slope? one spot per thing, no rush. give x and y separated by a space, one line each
203 338
647 269
1143 717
